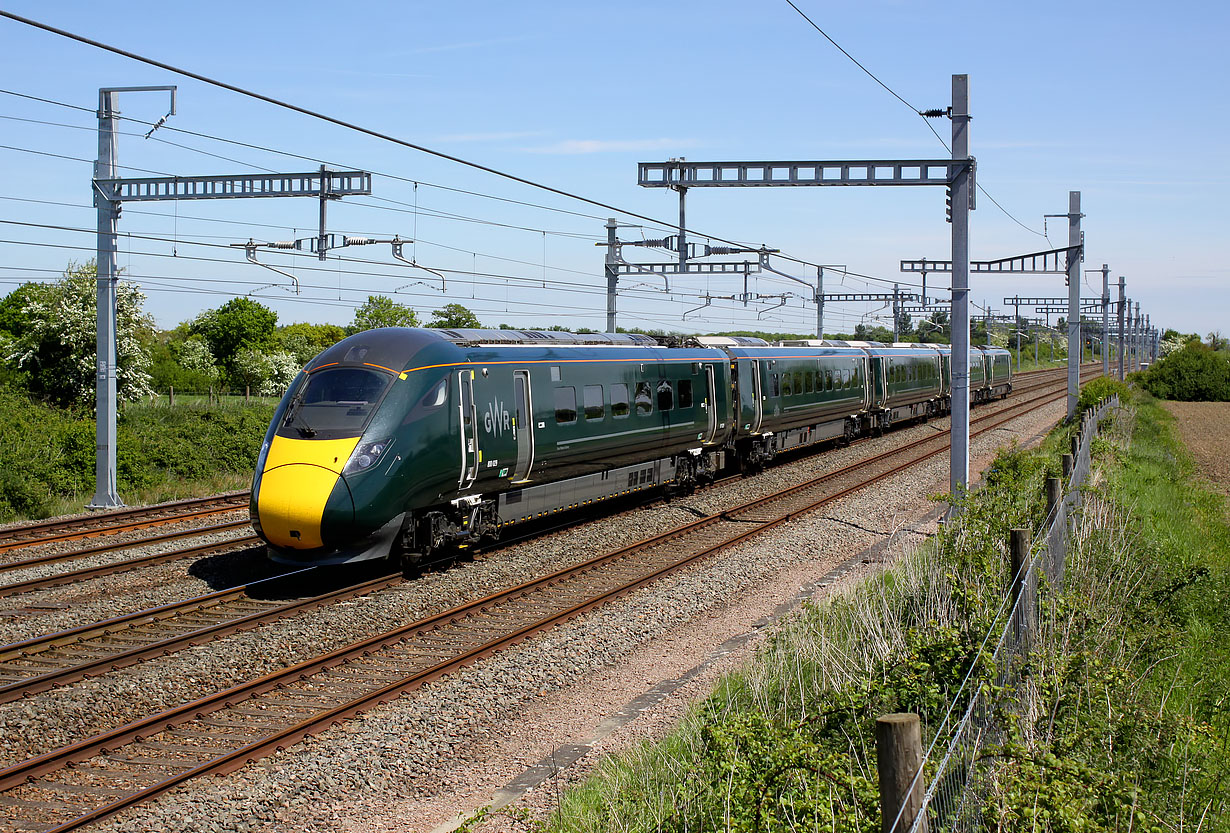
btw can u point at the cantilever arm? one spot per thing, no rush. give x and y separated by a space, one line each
666 284
250 250
397 244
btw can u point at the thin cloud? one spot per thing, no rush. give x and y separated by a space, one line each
579 146
488 137
453 47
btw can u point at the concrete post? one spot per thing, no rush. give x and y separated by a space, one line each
898 759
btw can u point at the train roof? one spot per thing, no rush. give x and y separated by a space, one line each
541 338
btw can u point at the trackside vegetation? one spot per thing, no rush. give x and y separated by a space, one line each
47 453
1122 723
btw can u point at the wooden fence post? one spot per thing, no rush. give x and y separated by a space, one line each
1067 467
1022 599
1054 493
898 758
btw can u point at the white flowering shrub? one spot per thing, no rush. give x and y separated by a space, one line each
57 345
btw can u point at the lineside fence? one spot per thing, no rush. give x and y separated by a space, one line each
951 796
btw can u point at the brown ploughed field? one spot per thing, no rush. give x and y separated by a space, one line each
1205 428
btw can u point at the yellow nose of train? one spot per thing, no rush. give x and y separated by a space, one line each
296 484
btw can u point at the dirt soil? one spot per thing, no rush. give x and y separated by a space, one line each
1205 429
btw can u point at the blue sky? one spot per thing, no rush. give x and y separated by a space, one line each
1124 102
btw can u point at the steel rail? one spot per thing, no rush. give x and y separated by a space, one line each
278 737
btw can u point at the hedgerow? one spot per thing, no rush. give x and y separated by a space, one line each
47 453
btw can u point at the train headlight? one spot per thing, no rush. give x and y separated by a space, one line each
366 455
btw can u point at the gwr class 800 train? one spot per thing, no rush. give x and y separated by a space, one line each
399 441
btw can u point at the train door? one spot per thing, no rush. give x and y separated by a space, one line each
710 404
469 429
523 425
757 397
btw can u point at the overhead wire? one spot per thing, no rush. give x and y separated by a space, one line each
359 128
913 109
863 277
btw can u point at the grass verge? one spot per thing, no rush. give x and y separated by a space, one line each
1125 726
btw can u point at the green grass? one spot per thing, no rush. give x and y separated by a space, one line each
1129 728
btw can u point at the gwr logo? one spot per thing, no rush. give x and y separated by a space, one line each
496 419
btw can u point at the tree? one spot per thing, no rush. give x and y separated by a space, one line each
265 373
382 311
56 345
304 341
454 316
238 324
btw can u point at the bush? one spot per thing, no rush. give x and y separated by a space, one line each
47 454
1096 390
1194 374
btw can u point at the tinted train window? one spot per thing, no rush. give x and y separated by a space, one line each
811 381
798 381
828 380
777 391
845 374
666 396
593 402
565 405
335 403
786 388
685 393
644 400
619 400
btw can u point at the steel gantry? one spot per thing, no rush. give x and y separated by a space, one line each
110 192
955 174
1064 260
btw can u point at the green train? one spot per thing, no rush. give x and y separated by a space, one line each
397 442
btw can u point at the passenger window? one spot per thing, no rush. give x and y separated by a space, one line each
619 400
777 391
786 389
798 382
593 402
685 393
644 400
845 374
828 380
811 381
666 396
565 405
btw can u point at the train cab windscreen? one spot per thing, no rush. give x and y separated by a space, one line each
335 403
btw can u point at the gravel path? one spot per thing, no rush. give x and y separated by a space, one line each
415 763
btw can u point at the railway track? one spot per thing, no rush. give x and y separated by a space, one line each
1035 380
126 564
124 520
221 732
60 658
